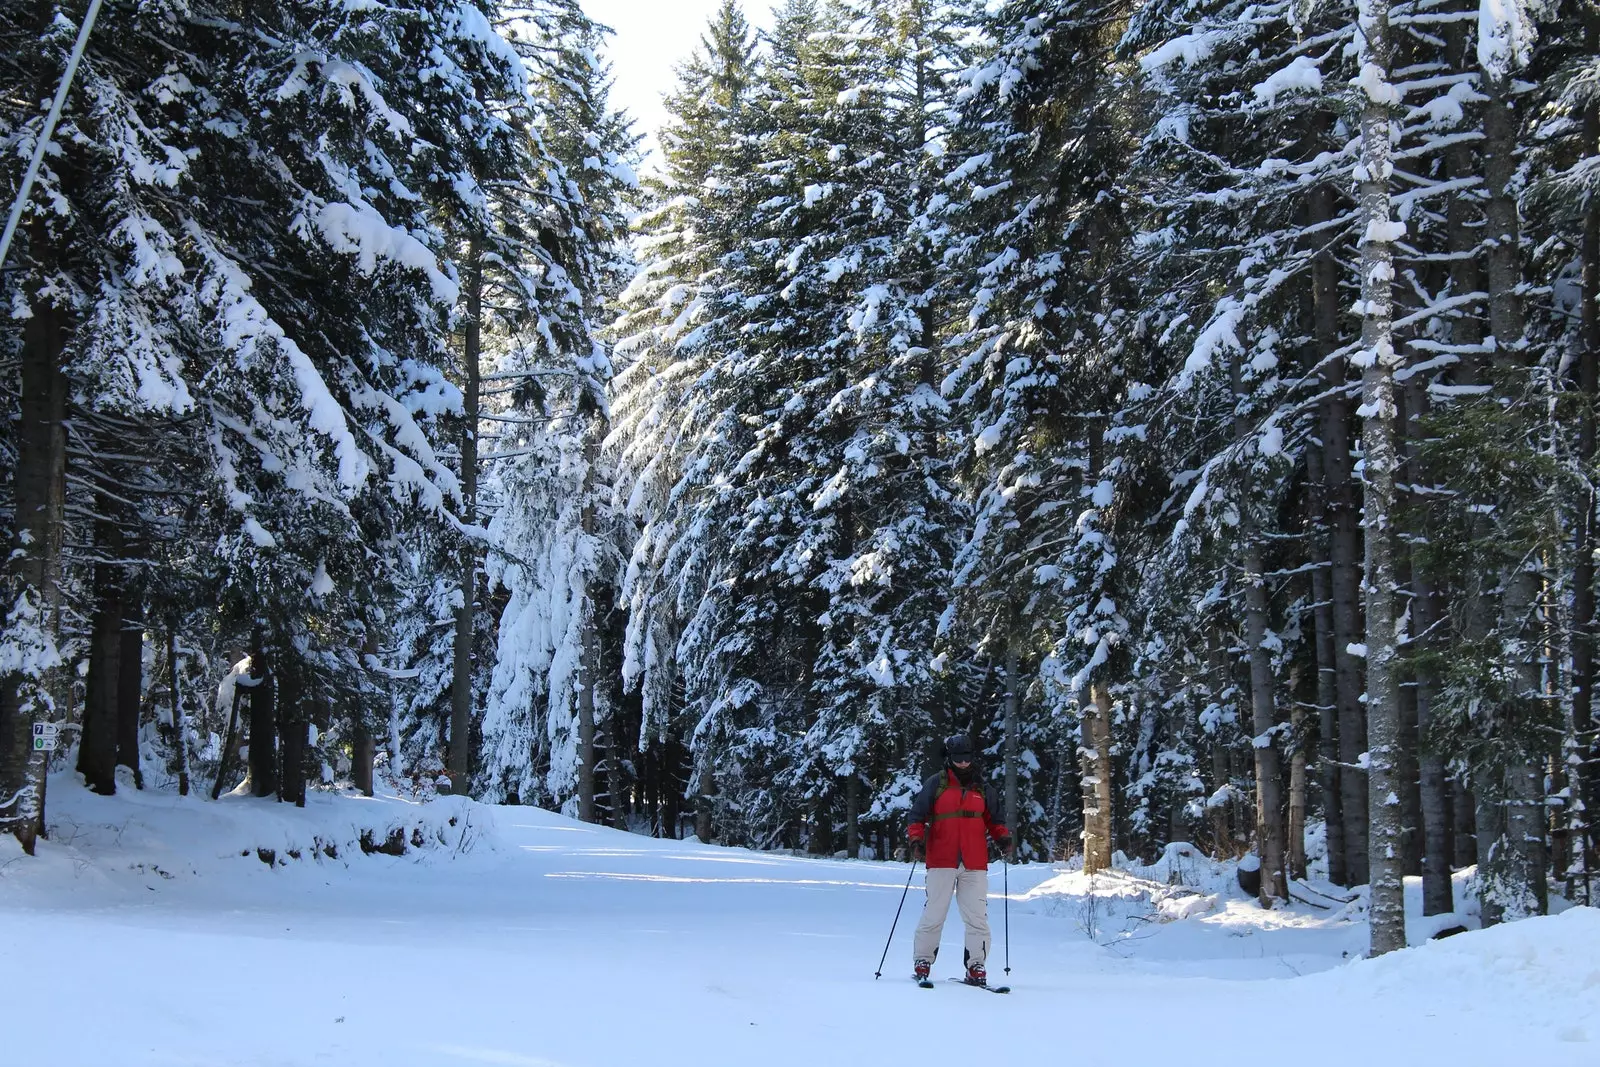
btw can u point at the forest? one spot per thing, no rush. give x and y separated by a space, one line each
1192 402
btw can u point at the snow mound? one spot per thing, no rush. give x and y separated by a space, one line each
1183 883
126 840
1542 973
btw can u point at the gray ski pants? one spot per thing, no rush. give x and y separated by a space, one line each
971 890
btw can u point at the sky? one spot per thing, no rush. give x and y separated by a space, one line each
652 37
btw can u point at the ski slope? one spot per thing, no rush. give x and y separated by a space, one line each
141 936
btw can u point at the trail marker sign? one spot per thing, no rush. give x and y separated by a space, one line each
44 736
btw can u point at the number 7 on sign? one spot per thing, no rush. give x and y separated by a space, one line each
44 736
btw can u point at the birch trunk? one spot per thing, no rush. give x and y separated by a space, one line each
1387 911
459 758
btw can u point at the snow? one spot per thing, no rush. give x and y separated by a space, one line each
1375 84
506 935
1270 443
359 230
1301 75
1190 49
1506 32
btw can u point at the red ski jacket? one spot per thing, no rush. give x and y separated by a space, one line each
955 822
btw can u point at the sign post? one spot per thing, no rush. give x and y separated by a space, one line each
44 736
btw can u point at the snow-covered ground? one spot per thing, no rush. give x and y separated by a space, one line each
153 930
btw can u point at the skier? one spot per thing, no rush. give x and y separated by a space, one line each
949 820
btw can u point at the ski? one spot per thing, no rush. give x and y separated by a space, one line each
925 983
985 988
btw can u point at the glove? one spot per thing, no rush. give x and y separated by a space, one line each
919 850
1004 844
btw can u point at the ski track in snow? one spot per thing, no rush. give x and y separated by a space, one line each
535 941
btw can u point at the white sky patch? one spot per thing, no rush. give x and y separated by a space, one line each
651 39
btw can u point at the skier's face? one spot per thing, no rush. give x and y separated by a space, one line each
960 763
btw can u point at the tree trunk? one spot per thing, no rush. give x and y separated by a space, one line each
263 720
39 497
1297 781
1463 824
1583 606
1378 357
616 780
1095 756
459 768
97 749
228 742
1328 769
180 728
130 684
852 815
293 721
1405 695
1263 690
589 648
822 826
1518 870
1013 726
1438 895
364 752
1344 555
703 805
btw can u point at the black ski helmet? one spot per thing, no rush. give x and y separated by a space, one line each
959 747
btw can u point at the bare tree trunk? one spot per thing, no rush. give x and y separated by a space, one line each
364 751
1263 695
1345 561
1517 872
1438 895
39 499
293 724
616 782
1097 775
1013 724
130 683
180 728
1583 600
263 720
703 804
1387 912
1463 825
459 766
589 649
1328 768
852 815
97 749
1297 781
229 742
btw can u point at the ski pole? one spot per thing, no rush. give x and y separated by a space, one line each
1005 879
903 892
